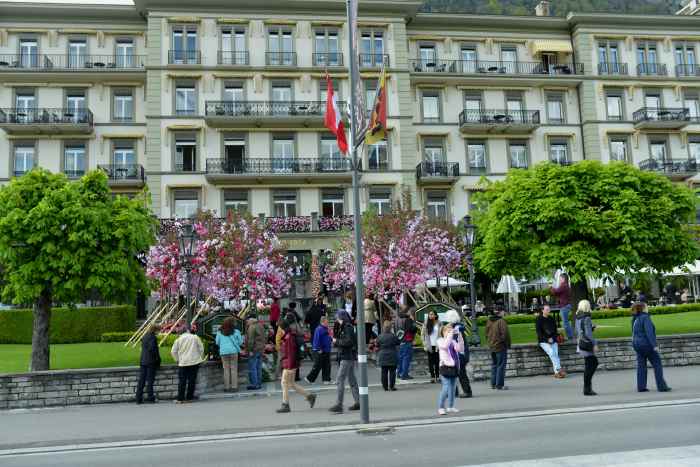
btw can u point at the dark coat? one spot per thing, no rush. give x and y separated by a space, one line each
150 356
346 342
313 316
388 348
546 328
643 331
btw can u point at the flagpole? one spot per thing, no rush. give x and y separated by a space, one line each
359 285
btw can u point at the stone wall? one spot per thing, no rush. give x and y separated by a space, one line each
96 386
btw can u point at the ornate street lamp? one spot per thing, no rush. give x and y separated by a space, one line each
469 237
187 239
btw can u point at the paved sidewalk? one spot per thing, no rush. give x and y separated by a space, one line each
113 422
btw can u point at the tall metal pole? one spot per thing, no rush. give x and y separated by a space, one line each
476 339
188 268
359 286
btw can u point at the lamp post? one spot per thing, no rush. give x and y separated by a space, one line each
187 238
469 236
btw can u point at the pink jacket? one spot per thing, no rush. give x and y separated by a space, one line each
443 343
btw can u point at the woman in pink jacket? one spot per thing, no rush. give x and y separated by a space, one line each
450 344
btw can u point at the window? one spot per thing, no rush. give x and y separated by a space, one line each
323 89
559 151
123 153
431 106
332 202
233 92
433 151
469 58
609 59
25 105
370 93
378 156
283 154
652 104
514 107
619 149
371 48
185 153
24 155
185 203
331 158
691 102
647 59
509 59
380 199
235 201
184 47
75 106
185 98
694 149
427 56
124 50
613 102
657 150
282 92
473 106
555 108
476 157
519 158
436 205
123 106
284 203
233 47
77 53
280 48
327 46
28 53
685 60
74 159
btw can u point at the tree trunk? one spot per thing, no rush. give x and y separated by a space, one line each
40 333
579 291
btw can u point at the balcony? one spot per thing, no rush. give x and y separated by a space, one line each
283 59
278 170
280 225
46 121
676 169
267 114
66 62
330 59
231 58
612 68
437 173
374 60
651 69
124 175
687 70
499 121
184 57
661 118
494 67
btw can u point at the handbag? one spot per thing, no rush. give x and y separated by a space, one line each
448 371
585 344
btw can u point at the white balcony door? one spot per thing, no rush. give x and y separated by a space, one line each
283 155
331 158
124 157
125 54
28 53
75 108
77 54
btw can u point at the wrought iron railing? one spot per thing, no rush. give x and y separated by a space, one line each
277 165
494 67
661 114
328 59
687 70
281 58
651 69
184 57
669 166
612 68
74 173
374 60
22 116
45 62
499 116
427 169
265 108
123 172
230 57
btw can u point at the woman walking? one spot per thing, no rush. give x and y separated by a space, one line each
644 343
587 346
290 364
229 341
387 357
431 329
449 345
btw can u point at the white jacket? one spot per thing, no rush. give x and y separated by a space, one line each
188 350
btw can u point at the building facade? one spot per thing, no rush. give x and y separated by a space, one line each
219 106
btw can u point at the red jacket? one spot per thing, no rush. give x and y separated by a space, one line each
275 312
289 351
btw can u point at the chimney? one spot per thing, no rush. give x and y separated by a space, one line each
542 8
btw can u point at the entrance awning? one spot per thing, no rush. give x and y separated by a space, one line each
562 46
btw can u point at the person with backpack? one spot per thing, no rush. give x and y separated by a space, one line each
587 346
290 364
646 347
346 342
229 341
321 348
407 332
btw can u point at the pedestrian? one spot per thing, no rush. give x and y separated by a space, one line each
406 332
370 316
587 346
313 316
346 342
450 344
229 341
294 320
188 352
498 337
387 356
644 343
547 335
150 362
275 312
563 294
431 329
454 318
255 340
290 364
321 351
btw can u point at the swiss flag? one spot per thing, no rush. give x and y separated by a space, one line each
334 121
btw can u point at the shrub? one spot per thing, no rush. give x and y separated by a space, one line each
68 325
116 336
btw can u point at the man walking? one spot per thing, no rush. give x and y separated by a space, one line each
563 294
346 342
321 348
188 352
499 342
150 362
407 330
290 364
255 340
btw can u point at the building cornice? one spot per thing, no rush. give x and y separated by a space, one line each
618 21
72 12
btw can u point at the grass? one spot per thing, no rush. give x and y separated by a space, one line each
15 358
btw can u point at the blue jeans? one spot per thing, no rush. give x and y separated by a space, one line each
564 313
405 357
255 369
447 393
498 368
648 353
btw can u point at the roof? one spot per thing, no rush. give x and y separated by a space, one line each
79 12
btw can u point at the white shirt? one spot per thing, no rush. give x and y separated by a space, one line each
188 350
434 335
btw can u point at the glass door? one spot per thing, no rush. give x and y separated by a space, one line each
652 104
283 155
234 156
469 60
25 104
28 53
75 108
77 54
125 54
331 158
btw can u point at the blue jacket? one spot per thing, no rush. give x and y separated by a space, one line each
322 341
643 331
229 345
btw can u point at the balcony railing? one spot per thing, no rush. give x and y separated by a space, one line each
123 172
429 169
281 58
661 114
328 59
276 165
374 60
44 62
229 57
74 173
291 224
670 166
265 108
651 69
687 70
494 67
21 116
184 57
506 117
612 68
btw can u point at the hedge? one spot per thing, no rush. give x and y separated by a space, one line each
125 336
68 325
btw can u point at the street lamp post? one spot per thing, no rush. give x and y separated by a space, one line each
187 238
469 236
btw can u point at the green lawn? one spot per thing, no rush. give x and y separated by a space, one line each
15 358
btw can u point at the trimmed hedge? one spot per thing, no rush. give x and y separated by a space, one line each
125 336
68 325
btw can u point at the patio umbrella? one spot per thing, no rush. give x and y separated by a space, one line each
445 282
508 285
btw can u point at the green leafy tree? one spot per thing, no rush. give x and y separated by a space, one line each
61 241
589 218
